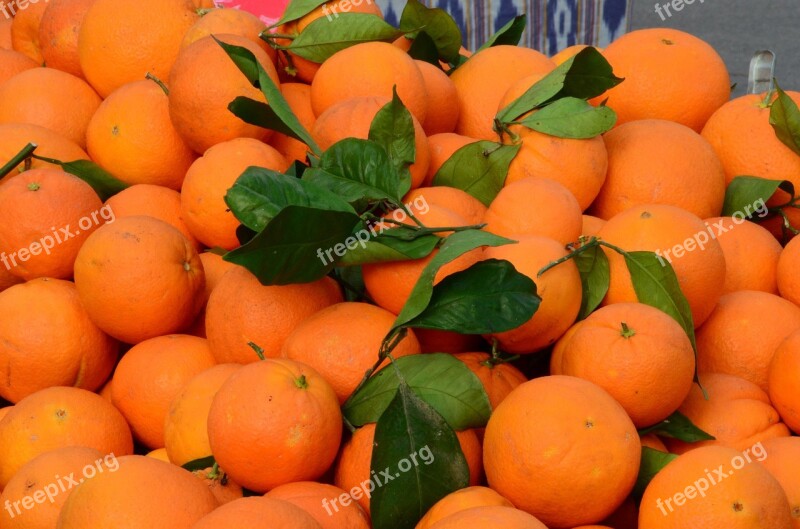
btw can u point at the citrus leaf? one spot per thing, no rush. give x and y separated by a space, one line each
745 193
571 117
651 464
328 35
199 464
594 269
437 24
383 247
393 128
508 35
678 426
478 168
424 49
103 182
784 116
298 9
261 115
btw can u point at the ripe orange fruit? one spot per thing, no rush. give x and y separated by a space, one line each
592 225
203 82
455 200
57 417
186 424
788 284
660 162
654 442
49 340
47 473
140 492
782 380
13 62
58 34
352 118
669 74
737 413
341 343
442 100
50 98
153 201
535 206
255 512
353 465
559 288
490 517
150 375
759 321
316 499
139 278
664 230
370 69
159 453
461 500
121 41
242 310
275 406
638 354
751 255
780 456
203 194
483 80
745 496
25 30
15 136
578 426
214 268
442 147
299 98
131 135
231 21
498 379
45 217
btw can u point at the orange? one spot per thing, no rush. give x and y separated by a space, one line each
455 200
231 21
567 53
152 201
581 446
483 80
370 69
352 118
13 62
353 465
55 418
257 512
442 147
737 413
49 340
139 278
535 206
788 284
299 98
638 354
498 379
780 457
759 322
782 380
131 135
316 499
242 310
141 492
664 230
203 82
669 74
214 267
58 34
559 288
25 29
151 375
275 407
51 98
442 100
660 162
203 194
490 517
591 225
751 254
15 136
654 442
185 426
342 342
159 453
221 486
748 497
43 475
45 217
461 500
121 41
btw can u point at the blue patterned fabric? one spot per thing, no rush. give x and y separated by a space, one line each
552 24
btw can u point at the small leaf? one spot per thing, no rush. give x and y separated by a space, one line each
382 246
451 389
745 193
678 426
478 168
571 117
103 182
424 49
595 278
652 463
409 428
508 35
261 115
199 464
437 24
298 9
328 35
393 128
784 116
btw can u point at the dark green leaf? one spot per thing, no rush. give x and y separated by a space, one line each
199 464
478 168
437 23
571 117
424 49
678 426
297 246
747 195
784 116
383 246
298 9
260 114
508 35
393 128
595 277
351 280
652 463
328 35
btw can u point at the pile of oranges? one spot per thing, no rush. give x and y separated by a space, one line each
149 383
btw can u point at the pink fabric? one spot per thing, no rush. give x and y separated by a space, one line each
269 11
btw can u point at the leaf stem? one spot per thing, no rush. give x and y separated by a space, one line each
20 157
577 251
259 351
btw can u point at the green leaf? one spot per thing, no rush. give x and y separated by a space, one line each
297 246
199 464
652 463
298 9
383 246
490 296
437 23
423 48
103 182
745 193
451 389
255 73
508 35
678 426
260 114
478 168
409 428
784 116
571 117
595 278
393 128
328 35
259 194
351 279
